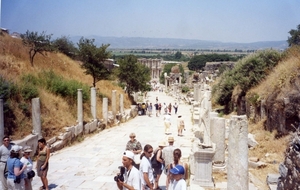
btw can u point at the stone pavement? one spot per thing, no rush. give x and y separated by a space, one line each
93 163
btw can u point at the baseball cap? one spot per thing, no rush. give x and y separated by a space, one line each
129 154
15 148
179 169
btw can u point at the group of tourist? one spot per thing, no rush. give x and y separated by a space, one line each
143 167
147 108
16 166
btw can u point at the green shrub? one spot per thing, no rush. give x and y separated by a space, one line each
185 89
29 91
247 73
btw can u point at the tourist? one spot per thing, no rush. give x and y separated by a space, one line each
156 109
42 165
131 175
170 107
180 125
175 107
168 155
165 108
26 160
4 155
159 108
177 161
150 108
167 123
135 147
146 171
15 177
160 164
177 182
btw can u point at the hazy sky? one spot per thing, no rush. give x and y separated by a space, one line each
218 20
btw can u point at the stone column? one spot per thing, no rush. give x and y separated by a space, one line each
36 117
79 129
196 95
237 168
93 103
105 110
1 121
166 82
218 137
114 103
121 103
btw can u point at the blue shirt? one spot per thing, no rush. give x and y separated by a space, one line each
11 164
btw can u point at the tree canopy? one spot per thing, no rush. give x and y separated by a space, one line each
37 43
93 58
294 39
65 46
134 75
198 62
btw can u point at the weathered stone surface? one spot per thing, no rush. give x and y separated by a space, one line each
289 171
237 168
251 141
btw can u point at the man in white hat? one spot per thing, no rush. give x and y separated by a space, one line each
131 174
168 155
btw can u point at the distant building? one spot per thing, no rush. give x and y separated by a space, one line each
110 64
154 65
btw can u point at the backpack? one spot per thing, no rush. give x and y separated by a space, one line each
154 162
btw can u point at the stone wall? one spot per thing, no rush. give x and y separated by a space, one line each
290 169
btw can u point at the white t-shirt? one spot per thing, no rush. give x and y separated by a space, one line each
132 178
27 162
145 167
178 185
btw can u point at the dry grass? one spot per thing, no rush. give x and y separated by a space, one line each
283 74
56 112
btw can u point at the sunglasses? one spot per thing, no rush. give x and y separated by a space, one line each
132 137
150 152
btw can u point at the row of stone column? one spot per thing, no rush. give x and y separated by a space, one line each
209 144
36 112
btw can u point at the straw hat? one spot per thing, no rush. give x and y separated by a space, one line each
162 143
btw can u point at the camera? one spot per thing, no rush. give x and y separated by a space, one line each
120 175
17 180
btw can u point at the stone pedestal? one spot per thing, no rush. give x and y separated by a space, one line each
203 167
36 117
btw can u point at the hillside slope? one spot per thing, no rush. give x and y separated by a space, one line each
57 112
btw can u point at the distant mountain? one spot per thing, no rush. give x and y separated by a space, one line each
172 43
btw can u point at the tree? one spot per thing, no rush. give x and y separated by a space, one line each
37 43
93 58
135 75
65 46
295 36
178 55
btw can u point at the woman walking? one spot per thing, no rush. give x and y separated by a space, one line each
146 172
43 162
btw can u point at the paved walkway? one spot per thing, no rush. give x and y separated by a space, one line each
93 163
